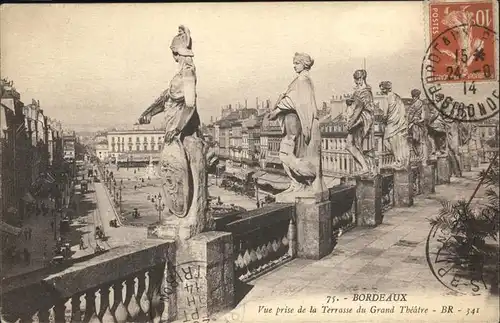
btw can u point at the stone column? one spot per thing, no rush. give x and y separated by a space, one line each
443 170
369 201
465 160
474 159
199 282
428 178
403 187
314 226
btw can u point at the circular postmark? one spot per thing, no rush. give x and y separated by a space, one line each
459 73
460 274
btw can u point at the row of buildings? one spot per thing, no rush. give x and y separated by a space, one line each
33 148
245 141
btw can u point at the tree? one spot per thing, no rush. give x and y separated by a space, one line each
469 229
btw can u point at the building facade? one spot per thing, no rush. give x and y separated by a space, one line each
137 144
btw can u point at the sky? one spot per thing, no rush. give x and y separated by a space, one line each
104 64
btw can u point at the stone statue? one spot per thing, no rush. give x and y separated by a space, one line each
182 161
360 110
436 130
300 148
445 134
417 128
396 129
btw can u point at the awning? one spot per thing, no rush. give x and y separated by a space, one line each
10 229
276 181
258 174
28 198
274 160
331 181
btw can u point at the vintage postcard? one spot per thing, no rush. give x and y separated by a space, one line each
250 162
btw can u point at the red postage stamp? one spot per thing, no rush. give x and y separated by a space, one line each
465 32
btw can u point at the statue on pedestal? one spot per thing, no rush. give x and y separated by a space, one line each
300 148
182 161
396 129
417 128
360 110
436 131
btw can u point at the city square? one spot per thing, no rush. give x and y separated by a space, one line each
172 183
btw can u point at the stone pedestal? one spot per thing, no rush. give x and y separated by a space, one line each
199 282
474 159
427 179
403 187
443 170
314 226
465 161
369 201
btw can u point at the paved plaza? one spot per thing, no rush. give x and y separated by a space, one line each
387 259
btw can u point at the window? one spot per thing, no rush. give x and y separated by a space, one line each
152 139
137 147
113 147
136 139
145 146
145 139
112 139
129 139
130 147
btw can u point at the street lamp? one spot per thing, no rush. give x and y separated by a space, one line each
159 207
120 189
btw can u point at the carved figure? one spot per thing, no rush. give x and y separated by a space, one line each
437 130
417 128
396 129
360 110
300 147
182 161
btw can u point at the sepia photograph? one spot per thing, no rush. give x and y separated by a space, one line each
250 162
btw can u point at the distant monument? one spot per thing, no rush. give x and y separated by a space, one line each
151 171
300 148
182 162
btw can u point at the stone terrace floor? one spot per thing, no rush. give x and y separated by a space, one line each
387 259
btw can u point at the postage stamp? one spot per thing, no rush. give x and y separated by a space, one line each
465 30
459 71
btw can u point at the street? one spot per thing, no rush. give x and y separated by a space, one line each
100 216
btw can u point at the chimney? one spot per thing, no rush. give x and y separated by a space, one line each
257 103
246 103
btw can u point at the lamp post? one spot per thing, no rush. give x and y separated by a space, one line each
159 207
120 189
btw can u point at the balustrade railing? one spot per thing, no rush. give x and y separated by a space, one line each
387 191
343 208
263 240
122 285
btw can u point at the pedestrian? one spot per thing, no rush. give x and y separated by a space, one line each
30 232
52 225
135 187
82 244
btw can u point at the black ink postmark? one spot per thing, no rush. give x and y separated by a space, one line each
186 284
453 272
459 73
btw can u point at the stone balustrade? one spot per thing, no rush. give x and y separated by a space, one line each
122 285
263 239
343 207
